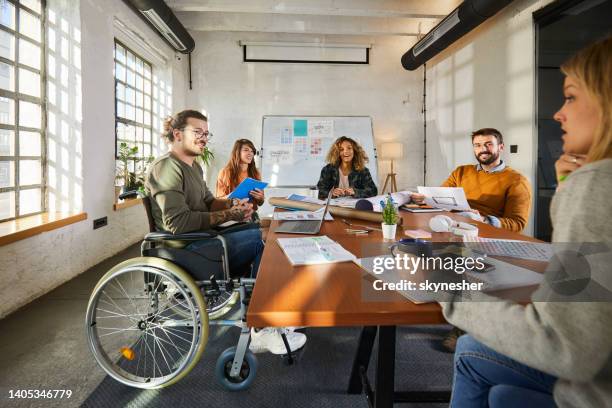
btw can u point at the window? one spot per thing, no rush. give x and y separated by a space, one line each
133 123
22 136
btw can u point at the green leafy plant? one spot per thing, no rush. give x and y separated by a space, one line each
207 156
389 211
138 179
125 154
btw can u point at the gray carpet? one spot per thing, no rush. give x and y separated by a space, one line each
318 379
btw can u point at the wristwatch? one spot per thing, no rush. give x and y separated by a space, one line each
235 202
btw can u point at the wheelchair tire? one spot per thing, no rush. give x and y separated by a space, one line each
247 372
134 332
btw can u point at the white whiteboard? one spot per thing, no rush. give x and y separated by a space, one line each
293 148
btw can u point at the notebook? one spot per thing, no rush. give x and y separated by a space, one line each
314 250
415 208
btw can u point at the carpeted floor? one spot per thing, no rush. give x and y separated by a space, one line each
318 379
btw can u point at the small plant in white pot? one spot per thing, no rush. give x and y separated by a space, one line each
390 217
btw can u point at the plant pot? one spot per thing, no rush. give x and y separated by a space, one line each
388 230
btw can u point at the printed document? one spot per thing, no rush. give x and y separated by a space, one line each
448 198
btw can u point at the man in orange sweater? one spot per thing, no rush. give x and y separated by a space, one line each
497 194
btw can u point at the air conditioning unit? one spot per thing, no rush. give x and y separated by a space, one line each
161 18
462 20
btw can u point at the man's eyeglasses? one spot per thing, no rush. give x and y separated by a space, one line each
200 133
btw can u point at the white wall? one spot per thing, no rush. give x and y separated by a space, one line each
237 94
486 79
81 149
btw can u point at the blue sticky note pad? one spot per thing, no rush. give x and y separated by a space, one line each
300 127
248 184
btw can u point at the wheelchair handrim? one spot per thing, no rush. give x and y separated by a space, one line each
113 369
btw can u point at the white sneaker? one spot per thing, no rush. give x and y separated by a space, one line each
269 339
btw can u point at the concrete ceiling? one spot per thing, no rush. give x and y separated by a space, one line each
318 17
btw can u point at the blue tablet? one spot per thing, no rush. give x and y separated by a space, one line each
247 185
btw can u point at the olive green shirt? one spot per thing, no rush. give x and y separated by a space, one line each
180 199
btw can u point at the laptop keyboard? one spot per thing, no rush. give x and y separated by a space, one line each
302 226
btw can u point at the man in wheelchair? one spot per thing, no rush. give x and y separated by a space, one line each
181 203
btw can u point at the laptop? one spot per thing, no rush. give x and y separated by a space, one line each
304 226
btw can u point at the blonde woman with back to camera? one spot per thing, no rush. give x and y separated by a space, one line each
555 351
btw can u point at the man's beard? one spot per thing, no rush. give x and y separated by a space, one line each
492 158
194 152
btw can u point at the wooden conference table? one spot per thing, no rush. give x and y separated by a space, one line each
341 294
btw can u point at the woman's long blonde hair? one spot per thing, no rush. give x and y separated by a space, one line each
592 67
360 158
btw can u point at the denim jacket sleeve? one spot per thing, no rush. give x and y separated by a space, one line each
362 184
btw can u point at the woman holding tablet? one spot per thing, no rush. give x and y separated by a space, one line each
240 166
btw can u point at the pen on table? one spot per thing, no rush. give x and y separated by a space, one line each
357 231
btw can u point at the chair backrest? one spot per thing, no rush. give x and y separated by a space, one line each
146 201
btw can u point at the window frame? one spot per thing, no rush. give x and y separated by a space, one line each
17 97
128 122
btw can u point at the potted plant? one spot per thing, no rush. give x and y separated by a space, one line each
125 155
390 217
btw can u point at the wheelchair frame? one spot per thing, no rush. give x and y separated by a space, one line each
165 324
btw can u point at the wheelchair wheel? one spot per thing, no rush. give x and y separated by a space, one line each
218 302
246 375
136 334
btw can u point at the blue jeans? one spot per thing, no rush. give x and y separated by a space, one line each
244 250
486 378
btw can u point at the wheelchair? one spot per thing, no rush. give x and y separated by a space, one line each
148 318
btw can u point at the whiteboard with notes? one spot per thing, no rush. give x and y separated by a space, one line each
293 148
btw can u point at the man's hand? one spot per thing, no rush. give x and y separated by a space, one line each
568 163
476 216
417 198
246 208
258 195
349 192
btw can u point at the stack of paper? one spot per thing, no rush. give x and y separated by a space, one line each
399 198
314 250
346 202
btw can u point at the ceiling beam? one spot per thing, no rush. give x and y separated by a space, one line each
304 24
348 8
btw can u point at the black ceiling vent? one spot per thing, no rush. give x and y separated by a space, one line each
161 18
462 20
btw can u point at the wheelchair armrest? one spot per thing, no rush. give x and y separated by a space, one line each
236 227
188 236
